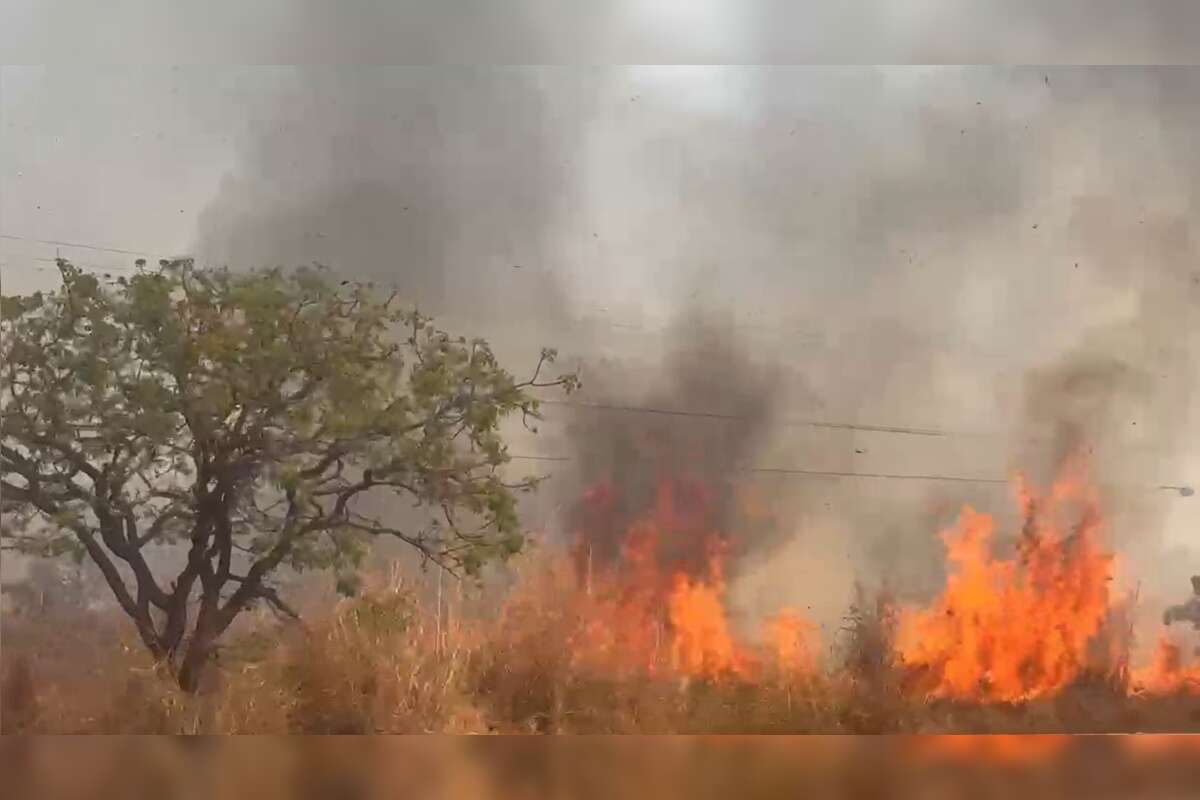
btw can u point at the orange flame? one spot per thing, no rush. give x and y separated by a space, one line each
1004 628
1013 629
659 617
790 638
702 644
1167 672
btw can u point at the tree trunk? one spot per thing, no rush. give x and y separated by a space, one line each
195 662
201 645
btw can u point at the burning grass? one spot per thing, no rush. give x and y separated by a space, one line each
1006 630
642 642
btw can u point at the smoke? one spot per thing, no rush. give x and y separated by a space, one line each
1006 258
1015 269
1078 405
996 261
647 442
535 31
446 183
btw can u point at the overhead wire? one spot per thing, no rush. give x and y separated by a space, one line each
908 431
59 243
1185 491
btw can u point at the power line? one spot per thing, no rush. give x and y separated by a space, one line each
605 320
814 472
848 426
876 475
57 243
1184 491
900 430
740 417
578 322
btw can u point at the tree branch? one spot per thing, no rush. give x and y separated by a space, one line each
272 597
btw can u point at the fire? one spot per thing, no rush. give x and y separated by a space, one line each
1006 628
790 638
701 641
1167 672
660 605
1013 629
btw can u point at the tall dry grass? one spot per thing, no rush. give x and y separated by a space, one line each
393 661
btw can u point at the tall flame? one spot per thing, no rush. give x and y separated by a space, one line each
1013 629
790 639
661 605
1006 627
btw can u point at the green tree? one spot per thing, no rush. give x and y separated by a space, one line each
247 417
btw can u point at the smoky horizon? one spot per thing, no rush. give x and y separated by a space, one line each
842 332
1000 256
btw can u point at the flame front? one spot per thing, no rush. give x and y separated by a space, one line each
1004 629
1168 672
790 638
1018 628
660 606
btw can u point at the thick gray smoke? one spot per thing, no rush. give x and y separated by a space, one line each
972 270
965 270
643 447
1028 298
447 183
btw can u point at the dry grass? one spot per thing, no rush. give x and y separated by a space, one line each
382 664
368 666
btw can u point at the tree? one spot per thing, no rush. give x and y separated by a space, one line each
247 417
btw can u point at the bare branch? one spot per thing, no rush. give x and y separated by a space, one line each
272 597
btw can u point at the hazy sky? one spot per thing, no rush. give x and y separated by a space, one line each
985 251
619 31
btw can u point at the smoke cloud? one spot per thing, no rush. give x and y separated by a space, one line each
968 270
956 272
647 442
446 183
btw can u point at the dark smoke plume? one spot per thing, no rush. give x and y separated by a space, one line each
914 245
629 459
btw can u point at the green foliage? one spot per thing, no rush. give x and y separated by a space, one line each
249 415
